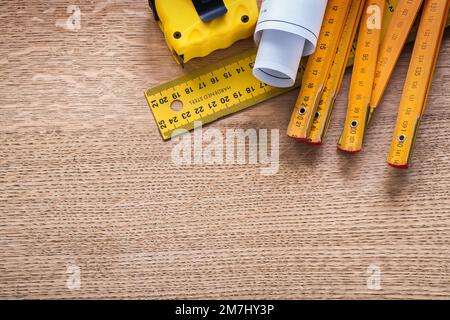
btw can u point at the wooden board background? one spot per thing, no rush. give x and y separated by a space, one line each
86 181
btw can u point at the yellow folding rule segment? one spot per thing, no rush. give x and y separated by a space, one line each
334 81
369 38
418 81
209 93
317 69
391 47
346 49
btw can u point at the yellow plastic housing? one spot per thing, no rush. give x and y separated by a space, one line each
189 37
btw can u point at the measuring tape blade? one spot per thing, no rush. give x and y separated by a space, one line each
391 47
418 81
210 93
369 37
336 75
317 69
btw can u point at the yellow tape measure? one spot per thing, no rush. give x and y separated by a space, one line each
391 47
362 77
210 93
318 68
336 74
418 81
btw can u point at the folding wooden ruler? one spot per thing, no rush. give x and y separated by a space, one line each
333 83
372 71
363 75
418 81
318 68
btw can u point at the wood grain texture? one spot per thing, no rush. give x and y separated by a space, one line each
86 180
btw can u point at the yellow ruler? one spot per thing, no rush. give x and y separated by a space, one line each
418 81
362 77
318 68
391 47
209 93
336 74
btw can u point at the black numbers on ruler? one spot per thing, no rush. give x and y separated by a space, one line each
162 124
157 103
173 120
189 90
214 80
240 70
163 100
186 115
225 100
212 104
237 95
153 103
418 72
199 110
227 75
250 90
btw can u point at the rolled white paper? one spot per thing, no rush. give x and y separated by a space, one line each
286 31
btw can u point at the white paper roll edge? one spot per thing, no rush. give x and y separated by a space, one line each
286 31
278 58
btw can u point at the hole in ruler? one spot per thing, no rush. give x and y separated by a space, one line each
353 124
317 115
402 138
302 110
176 105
